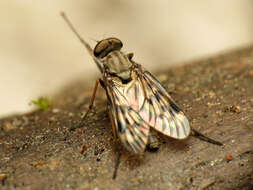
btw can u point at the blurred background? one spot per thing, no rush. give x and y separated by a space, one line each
39 54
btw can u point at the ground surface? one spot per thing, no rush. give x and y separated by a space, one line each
39 151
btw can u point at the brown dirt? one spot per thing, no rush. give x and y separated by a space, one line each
39 151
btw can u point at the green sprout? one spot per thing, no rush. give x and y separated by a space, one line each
43 103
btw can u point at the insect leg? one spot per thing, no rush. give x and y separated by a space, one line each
113 125
92 99
116 146
199 135
153 142
79 125
117 160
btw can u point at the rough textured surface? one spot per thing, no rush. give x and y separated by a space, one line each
39 151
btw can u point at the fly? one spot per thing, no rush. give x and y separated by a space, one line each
137 100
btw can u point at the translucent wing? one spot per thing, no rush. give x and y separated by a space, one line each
160 111
141 104
132 130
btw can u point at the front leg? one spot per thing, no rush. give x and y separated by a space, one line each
92 100
89 108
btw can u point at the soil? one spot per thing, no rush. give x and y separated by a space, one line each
43 150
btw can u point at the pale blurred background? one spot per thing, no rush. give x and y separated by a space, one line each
39 54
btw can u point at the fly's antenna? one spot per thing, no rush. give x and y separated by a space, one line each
64 16
87 46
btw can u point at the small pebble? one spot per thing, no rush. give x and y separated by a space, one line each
2 177
55 110
235 109
229 158
8 126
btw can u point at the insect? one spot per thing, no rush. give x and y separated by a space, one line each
137 101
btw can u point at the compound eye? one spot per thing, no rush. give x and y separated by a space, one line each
104 47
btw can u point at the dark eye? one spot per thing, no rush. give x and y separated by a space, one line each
106 46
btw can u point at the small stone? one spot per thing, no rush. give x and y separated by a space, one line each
71 114
8 126
38 163
209 104
219 113
55 110
235 109
229 158
3 178
52 119
79 131
212 94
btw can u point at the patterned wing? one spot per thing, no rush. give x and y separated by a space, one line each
141 104
132 130
160 111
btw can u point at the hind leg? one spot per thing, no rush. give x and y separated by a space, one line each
153 142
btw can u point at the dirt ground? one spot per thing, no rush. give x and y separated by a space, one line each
39 150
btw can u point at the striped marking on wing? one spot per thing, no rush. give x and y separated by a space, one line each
132 130
161 112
